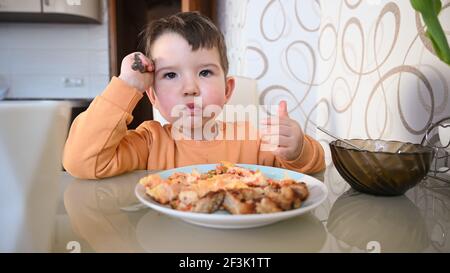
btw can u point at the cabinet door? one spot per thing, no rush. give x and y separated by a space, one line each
85 8
206 7
20 5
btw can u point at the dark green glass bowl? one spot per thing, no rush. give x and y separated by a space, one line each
382 167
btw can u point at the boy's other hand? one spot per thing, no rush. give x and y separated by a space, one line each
286 133
138 71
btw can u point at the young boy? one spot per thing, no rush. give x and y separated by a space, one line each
189 65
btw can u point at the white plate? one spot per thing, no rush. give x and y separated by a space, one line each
317 194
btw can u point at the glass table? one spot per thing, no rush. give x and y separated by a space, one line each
91 219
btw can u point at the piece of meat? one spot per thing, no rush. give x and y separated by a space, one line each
188 197
242 172
283 197
266 205
235 189
189 201
223 167
210 203
257 179
301 189
151 180
178 205
203 187
287 182
234 203
273 184
164 192
297 203
183 178
252 194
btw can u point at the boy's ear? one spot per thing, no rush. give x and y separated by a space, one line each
229 87
151 95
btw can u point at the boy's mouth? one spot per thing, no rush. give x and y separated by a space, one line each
193 109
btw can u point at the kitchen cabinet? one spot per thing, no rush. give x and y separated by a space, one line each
56 11
81 8
20 6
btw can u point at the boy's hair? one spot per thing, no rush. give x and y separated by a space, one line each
198 30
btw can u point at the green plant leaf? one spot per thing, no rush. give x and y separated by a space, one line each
429 9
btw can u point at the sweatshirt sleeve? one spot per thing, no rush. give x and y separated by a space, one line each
99 143
310 160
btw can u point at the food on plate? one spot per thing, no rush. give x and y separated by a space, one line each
233 188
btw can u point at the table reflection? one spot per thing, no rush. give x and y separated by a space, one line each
395 224
95 215
94 208
163 234
433 199
347 221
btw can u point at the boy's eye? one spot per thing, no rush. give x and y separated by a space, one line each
205 73
170 75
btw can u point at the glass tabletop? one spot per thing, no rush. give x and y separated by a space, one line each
91 219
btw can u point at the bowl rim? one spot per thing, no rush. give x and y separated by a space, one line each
425 150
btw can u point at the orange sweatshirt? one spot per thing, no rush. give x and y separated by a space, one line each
100 145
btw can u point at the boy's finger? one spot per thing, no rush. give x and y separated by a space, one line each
142 63
268 147
283 130
151 66
284 141
275 121
270 139
282 109
269 129
138 64
280 141
147 63
268 144
145 59
281 152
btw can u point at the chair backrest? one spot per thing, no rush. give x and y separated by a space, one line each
32 136
245 94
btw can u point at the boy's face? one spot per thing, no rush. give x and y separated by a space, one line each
186 79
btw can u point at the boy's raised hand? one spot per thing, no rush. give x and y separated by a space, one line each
138 71
284 132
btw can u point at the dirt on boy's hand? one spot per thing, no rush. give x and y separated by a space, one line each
138 71
137 65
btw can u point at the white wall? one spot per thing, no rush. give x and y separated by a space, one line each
331 73
265 42
35 58
378 85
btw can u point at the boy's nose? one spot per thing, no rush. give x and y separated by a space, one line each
191 92
191 89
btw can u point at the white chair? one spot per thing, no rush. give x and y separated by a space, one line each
245 94
32 136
